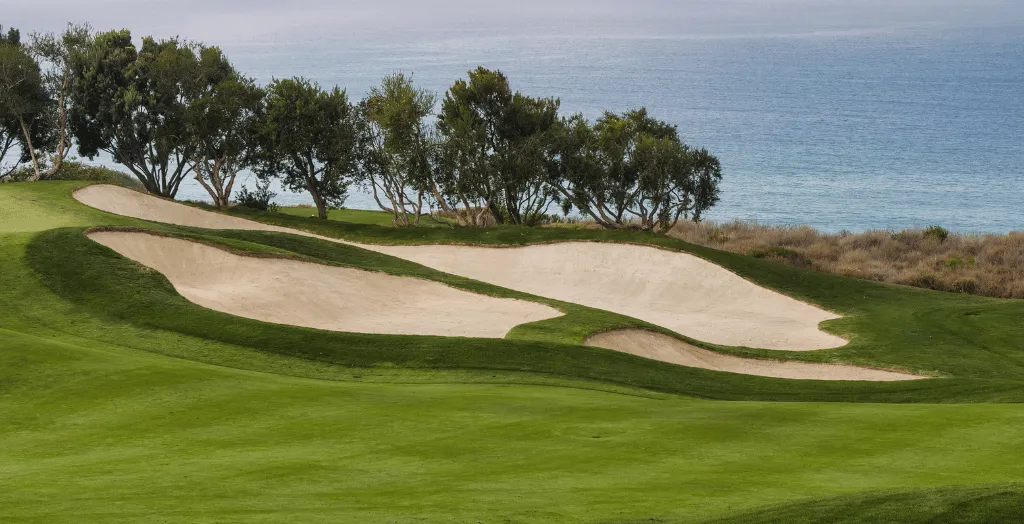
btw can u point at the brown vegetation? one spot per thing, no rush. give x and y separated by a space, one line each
991 265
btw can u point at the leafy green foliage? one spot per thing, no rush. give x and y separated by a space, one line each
309 139
99 86
496 152
938 233
171 108
631 170
11 37
57 53
134 105
73 170
396 147
24 107
259 199
222 123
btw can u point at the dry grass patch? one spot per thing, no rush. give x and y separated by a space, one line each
991 265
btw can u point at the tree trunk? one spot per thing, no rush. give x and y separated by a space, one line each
63 143
496 211
31 150
321 205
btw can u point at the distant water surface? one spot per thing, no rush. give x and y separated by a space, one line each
886 129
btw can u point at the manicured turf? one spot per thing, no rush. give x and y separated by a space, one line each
122 402
353 216
895 326
957 505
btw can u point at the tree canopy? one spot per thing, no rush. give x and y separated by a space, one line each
133 105
396 147
496 145
167 109
631 170
309 138
24 103
56 53
222 124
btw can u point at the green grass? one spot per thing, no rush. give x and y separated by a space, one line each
890 326
956 505
973 342
352 216
104 283
121 402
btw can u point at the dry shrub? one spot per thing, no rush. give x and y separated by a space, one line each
932 258
468 217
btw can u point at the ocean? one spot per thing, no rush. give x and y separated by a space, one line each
880 129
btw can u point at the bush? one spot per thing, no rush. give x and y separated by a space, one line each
990 265
782 254
957 262
936 232
262 199
925 280
965 285
716 235
75 170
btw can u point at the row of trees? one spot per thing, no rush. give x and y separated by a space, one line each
170 109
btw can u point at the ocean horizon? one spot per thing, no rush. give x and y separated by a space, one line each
879 128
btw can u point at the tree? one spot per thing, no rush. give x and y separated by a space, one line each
9 129
706 174
496 149
631 170
57 52
396 147
132 105
528 132
222 123
24 103
309 138
579 176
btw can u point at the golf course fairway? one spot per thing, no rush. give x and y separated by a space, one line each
124 402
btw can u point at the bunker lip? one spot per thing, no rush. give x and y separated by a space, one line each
299 293
672 289
658 346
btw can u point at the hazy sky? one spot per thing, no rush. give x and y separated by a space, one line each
223 21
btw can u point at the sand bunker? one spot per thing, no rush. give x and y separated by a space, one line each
656 346
126 202
674 290
319 296
678 291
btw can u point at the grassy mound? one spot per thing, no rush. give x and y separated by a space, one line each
122 402
972 341
71 170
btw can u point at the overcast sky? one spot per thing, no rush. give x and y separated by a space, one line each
222 21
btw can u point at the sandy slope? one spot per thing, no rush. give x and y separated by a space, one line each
667 349
320 296
675 290
126 202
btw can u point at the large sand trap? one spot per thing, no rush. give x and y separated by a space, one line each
657 346
126 202
674 290
319 296
678 291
